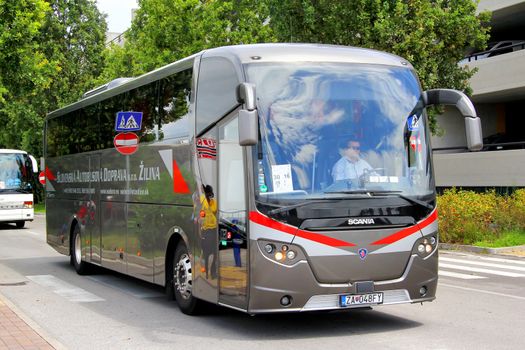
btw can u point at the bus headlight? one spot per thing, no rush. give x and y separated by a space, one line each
283 253
426 245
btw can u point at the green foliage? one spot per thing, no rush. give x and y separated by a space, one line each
50 51
25 71
507 239
164 31
468 217
431 34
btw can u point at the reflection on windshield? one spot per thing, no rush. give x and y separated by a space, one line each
13 172
328 128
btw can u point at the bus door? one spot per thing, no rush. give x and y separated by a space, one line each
232 217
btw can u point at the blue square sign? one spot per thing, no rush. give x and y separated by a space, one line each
128 121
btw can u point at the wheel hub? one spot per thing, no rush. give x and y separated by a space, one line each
183 276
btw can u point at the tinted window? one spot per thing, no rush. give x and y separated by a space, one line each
107 114
144 99
216 90
175 94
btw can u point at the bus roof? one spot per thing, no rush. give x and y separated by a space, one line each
10 151
254 53
306 53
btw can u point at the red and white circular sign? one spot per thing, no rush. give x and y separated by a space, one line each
126 143
42 178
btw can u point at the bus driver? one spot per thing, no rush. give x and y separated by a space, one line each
351 165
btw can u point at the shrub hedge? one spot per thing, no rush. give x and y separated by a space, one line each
467 217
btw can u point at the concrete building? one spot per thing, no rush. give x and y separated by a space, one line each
499 98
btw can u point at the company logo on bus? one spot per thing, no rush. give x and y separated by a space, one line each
366 221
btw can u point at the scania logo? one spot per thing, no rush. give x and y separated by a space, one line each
361 221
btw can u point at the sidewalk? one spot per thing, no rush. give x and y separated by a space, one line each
517 251
15 332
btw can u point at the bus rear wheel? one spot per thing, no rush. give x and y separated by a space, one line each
182 280
76 252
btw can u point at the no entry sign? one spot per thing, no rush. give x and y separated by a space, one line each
42 178
126 143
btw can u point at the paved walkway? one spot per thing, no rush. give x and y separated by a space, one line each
15 333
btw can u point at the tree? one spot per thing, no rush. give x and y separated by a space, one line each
25 71
164 31
74 36
431 34
50 51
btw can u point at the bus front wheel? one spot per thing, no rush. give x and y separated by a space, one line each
20 224
182 280
76 252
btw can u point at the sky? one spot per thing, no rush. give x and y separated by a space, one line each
118 13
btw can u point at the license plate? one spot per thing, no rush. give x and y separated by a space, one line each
361 299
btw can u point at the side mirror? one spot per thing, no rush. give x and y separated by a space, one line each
34 164
465 106
248 118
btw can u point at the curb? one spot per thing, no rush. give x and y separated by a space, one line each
32 324
518 251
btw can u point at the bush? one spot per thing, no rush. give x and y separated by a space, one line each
467 217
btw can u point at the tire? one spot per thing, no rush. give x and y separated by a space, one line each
76 252
20 224
181 279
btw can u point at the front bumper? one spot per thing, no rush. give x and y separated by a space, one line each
271 281
13 215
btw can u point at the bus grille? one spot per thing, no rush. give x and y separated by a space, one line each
331 301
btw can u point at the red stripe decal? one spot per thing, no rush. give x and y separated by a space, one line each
179 185
407 231
311 236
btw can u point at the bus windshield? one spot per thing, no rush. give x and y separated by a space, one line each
335 130
14 172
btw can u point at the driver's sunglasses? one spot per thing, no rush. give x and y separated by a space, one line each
357 148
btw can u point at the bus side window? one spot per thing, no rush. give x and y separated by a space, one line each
144 99
216 93
175 94
107 113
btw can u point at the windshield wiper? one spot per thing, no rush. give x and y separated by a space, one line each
387 194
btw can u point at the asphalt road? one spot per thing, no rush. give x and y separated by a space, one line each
480 305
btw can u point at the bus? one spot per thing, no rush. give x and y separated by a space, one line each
16 189
215 177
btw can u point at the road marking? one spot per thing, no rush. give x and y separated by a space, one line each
477 269
64 289
483 291
460 275
509 261
33 233
136 291
479 263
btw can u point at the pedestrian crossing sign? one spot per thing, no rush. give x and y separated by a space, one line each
128 121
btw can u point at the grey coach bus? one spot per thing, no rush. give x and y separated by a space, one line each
264 178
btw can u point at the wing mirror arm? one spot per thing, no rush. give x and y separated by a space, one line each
466 108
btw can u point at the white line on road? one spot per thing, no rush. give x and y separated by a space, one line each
479 263
477 269
459 275
33 233
509 261
65 289
483 291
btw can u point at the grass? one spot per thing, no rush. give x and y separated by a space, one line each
40 208
508 239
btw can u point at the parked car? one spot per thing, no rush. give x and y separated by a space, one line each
495 48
